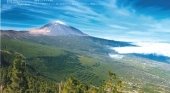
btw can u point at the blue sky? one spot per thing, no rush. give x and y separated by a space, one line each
125 20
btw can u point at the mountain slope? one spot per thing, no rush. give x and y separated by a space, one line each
57 64
64 36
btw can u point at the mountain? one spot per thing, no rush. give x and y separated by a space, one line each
57 55
59 34
57 28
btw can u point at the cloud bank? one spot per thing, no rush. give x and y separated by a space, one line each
146 48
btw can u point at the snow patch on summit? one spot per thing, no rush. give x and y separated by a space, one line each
59 22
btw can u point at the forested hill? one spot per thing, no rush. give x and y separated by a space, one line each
19 77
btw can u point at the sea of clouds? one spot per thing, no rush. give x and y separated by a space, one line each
146 48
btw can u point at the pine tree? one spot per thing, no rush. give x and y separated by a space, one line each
17 74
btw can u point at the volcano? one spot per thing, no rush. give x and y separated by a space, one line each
57 28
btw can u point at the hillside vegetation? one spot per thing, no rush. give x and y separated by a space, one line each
56 61
19 77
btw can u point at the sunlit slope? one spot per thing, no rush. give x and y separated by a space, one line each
29 49
57 63
53 62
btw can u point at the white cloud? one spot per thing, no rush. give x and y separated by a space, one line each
44 31
123 12
116 56
146 48
118 26
59 22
